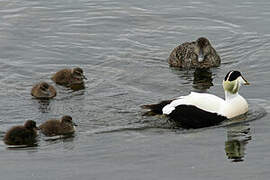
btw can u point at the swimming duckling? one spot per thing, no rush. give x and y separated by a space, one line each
198 110
43 90
22 135
68 77
54 127
198 54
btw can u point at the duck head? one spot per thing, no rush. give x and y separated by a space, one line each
233 81
77 73
44 89
68 120
203 48
31 125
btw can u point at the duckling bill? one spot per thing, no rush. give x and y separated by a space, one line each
69 77
43 90
198 54
22 135
54 127
198 110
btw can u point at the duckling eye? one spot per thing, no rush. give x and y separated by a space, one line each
33 124
44 86
68 120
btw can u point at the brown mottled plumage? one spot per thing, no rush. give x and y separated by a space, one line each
68 77
198 54
54 127
22 135
43 90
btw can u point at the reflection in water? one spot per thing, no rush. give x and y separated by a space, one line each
237 139
66 137
202 79
65 140
44 106
29 146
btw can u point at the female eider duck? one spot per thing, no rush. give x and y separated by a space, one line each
43 90
198 110
54 127
68 77
198 54
22 135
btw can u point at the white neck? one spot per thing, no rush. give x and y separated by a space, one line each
230 96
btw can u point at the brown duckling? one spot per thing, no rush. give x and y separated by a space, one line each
68 77
22 135
198 54
54 127
43 90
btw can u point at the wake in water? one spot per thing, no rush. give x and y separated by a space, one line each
256 112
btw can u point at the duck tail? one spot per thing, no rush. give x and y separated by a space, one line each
155 109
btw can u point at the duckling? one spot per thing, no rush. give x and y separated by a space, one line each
68 77
43 90
198 54
198 110
54 127
22 135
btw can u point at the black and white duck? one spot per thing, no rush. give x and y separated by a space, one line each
198 110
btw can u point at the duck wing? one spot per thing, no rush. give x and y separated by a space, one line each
204 101
195 110
189 116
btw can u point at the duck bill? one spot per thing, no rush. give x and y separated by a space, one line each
80 77
245 82
74 124
201 56
84 77
37 128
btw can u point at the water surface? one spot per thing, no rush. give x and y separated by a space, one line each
122 47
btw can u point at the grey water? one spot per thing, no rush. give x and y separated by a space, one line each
122 46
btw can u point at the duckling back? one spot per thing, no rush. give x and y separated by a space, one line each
21 135
40 92
54 127
62 77
69 77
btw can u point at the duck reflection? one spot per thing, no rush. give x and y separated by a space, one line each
44 106
66 141
202 79
237 138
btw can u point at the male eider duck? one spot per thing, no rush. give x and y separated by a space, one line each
198 110
54 127
43 90
198 54
22 135
68 77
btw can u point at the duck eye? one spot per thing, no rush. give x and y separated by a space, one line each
44 86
